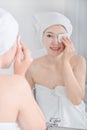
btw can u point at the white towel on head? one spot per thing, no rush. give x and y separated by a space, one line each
8 31
46 19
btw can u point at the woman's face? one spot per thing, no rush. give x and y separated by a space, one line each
50 40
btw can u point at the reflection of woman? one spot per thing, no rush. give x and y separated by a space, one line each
16 101
59 76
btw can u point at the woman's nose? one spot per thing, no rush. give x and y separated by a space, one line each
56 40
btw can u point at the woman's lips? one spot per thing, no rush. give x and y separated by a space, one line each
55 48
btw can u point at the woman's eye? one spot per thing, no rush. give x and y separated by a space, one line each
49 35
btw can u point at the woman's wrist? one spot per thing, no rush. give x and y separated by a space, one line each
20 73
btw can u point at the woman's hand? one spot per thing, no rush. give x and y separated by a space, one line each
69 49
21 64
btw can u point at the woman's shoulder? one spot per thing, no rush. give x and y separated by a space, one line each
21 88
78 60
12 86
19 81
12 81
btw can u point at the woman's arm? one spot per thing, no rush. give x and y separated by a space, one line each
21 64
29 77
74 80
74 77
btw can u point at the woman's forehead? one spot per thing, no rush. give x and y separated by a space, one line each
56 29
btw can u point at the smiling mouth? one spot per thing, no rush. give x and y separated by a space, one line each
55 48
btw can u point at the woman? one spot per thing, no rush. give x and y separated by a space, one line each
18 109
59 76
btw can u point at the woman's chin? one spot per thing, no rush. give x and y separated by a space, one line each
56 53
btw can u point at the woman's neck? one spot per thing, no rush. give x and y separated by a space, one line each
53 60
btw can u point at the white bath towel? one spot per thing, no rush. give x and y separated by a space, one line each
8 31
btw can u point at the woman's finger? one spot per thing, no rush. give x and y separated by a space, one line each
18 53
64 41
26 52
69 42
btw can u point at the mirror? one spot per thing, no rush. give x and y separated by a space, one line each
75 10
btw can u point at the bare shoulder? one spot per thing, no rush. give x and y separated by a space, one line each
14 88
20 82
33 70
21 86
78 60
13 81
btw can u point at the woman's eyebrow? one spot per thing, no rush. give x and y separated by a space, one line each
54 33
50 32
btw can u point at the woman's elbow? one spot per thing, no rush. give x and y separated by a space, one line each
77 101
41 126
35 126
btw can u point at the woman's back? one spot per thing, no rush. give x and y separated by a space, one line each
17 104
9 98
